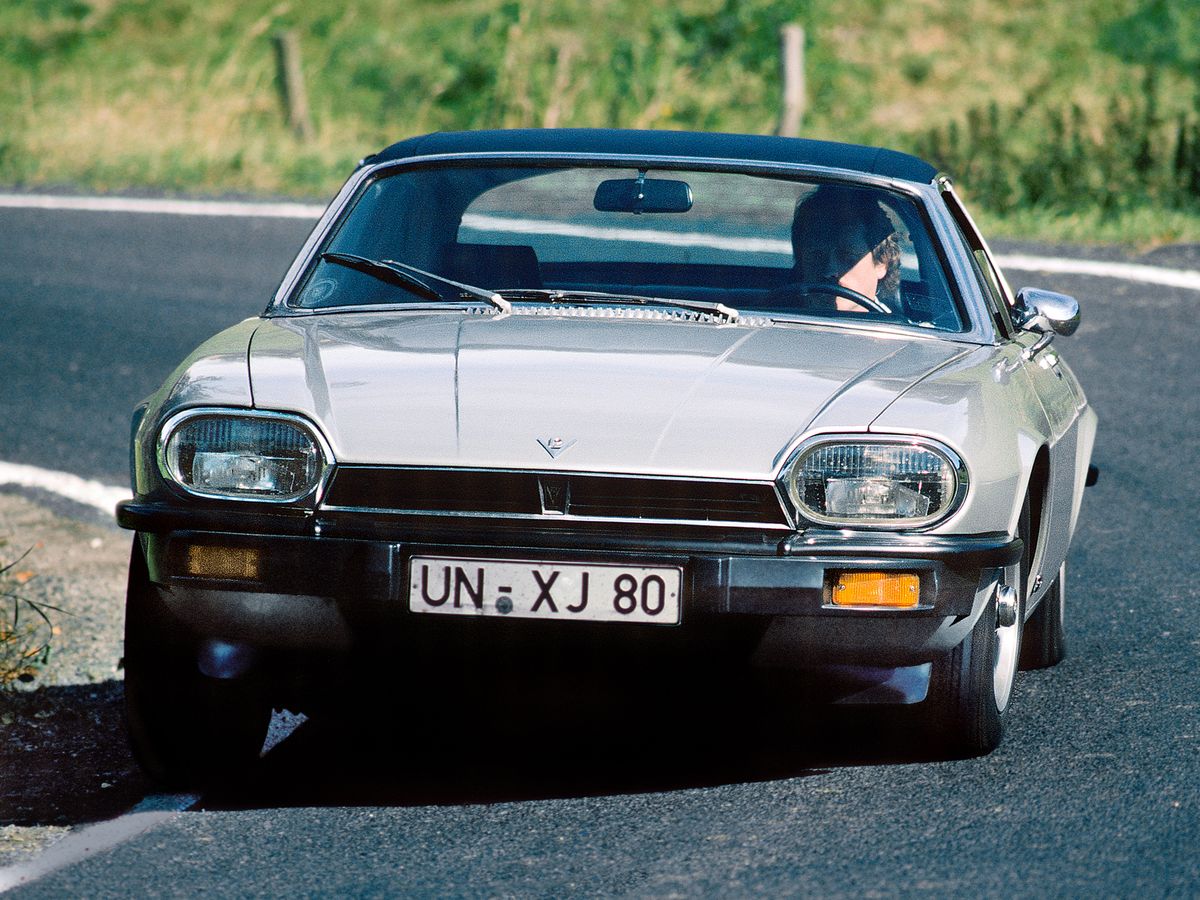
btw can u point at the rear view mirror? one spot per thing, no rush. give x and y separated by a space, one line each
643 195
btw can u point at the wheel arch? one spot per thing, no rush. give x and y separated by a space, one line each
1038 491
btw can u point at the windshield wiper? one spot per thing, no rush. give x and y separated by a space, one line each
413 279
559 296
383 272
477 292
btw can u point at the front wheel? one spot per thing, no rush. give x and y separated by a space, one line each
1045 641
184 728
970 688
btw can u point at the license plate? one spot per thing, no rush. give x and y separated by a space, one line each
527 589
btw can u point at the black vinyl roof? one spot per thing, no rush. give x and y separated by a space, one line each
704 145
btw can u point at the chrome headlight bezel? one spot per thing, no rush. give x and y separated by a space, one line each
805 514
309 495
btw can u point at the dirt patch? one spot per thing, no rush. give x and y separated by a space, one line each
63 757
65 763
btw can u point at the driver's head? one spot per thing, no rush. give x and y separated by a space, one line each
834 228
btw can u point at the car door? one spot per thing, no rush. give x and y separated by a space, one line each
1035 359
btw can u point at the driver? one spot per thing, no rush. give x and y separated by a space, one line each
842 236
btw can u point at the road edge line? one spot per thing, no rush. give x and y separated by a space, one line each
157 206
76 846
84 491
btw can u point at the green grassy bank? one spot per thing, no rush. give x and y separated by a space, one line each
1073 120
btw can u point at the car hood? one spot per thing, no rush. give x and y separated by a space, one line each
617 393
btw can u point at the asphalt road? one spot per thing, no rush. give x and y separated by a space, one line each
98 308
1093 792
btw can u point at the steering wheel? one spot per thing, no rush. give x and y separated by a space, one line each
840 290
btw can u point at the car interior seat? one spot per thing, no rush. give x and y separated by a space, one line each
492 266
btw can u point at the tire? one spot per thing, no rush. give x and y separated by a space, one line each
184 729
1044 642
971 687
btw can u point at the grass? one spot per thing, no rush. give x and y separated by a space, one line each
180 96
1140 227
26 631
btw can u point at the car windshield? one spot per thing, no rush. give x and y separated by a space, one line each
761 245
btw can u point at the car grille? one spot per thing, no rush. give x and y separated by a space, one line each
475 492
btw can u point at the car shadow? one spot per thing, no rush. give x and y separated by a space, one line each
499 751
64 759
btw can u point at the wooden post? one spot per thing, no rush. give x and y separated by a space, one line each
291 83
562 82
792 50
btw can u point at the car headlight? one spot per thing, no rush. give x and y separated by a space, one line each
242 455
896 483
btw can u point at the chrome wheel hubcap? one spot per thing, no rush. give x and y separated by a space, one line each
1004 669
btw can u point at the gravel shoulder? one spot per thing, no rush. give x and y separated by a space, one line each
63 758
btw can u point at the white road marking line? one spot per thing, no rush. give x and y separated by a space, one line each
81 490
164 207
79 845
1144 274
151 811
1181 278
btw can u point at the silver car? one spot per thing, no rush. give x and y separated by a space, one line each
618 404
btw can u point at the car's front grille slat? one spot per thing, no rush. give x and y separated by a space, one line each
524 493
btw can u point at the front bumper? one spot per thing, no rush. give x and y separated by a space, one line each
338 584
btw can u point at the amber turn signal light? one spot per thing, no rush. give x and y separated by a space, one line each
890 589
222 562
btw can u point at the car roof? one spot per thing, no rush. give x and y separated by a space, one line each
691 144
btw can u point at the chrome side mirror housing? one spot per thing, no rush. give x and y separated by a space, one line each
1047 312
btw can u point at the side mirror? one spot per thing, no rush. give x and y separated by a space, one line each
1047 311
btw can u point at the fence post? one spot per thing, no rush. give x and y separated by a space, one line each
291 83
792 51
